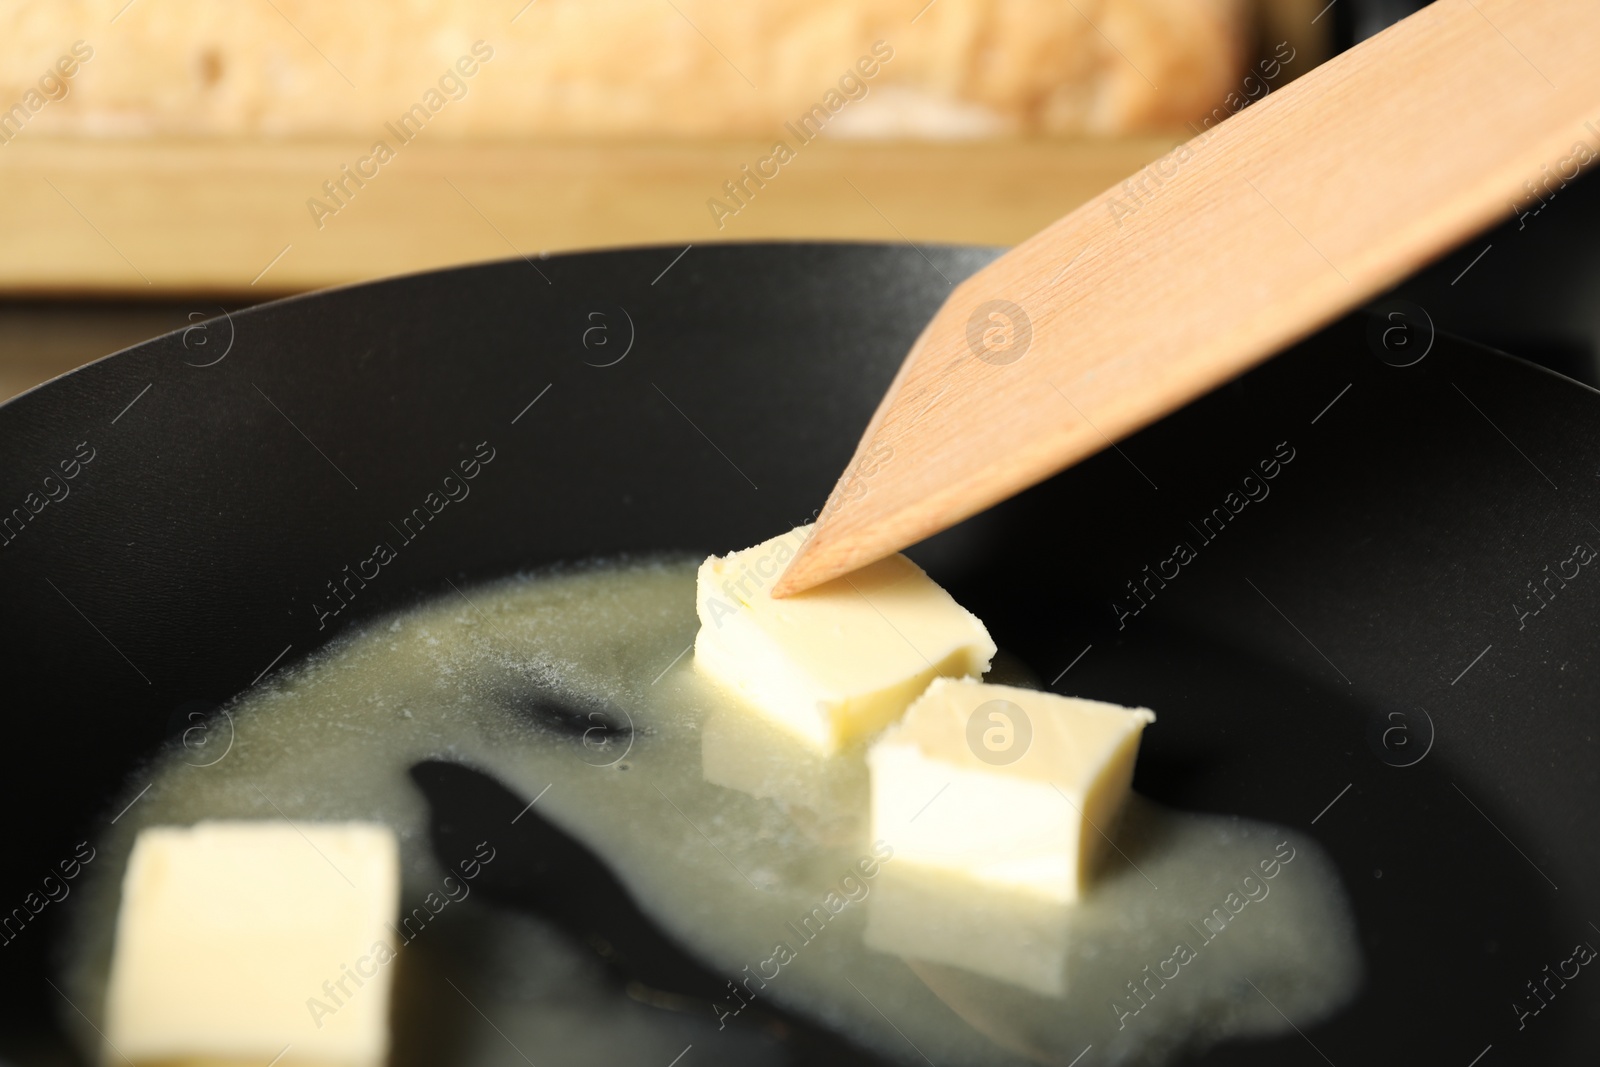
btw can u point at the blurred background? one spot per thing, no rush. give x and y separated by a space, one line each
161 160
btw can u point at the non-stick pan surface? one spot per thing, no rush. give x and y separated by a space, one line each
1375 650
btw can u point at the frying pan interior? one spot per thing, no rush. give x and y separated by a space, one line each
1364 647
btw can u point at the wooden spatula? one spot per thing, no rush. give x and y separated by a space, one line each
1252 235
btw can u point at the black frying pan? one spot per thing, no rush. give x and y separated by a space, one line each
1359 627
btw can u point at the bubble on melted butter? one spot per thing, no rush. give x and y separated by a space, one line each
754 836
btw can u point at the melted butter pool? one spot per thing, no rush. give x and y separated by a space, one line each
738 843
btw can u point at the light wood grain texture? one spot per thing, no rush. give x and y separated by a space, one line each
162 217
1280 220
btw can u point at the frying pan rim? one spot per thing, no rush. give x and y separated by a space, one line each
429 272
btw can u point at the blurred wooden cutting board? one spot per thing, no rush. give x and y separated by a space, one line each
153 217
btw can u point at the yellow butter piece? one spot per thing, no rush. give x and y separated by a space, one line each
837 662
1009 786
236 940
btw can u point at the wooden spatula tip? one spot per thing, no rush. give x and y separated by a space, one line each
797 578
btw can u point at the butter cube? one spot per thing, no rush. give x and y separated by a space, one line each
1008 786
837 662
240 941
